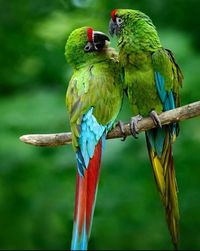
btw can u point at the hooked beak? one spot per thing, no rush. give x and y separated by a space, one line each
113 28
100 39
98 43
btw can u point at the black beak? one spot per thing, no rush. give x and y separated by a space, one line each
100 37
113 28
98 43
100 40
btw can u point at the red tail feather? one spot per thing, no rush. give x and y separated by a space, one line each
86 188
92 180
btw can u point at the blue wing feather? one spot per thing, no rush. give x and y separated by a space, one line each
157 137
166 97
80 163
160 85
90 133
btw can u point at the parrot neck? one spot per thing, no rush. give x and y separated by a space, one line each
141 37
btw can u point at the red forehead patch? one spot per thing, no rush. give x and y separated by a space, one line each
90 34
113 14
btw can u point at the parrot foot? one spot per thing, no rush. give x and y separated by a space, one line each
133 125
122 128
153 114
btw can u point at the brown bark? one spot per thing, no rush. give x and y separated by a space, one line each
179 114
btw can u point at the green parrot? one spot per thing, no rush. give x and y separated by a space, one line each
94 98
152 80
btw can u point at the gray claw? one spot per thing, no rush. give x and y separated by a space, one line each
122 128
155 118
133 125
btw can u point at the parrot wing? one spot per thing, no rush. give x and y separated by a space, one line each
168 78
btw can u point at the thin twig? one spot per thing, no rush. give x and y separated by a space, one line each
179 114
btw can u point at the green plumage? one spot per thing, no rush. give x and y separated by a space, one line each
96 82
141 56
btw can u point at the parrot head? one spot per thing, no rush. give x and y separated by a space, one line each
96 40
116 23
126 18
84 43
135 27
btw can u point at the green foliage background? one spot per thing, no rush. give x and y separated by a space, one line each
37 185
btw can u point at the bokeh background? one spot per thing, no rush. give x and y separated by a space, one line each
37 185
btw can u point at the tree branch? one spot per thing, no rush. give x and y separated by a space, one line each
179 114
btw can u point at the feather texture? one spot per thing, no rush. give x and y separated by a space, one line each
164 174
91 132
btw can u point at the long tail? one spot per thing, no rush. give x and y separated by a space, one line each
86 190
159 143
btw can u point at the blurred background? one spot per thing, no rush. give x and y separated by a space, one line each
37 185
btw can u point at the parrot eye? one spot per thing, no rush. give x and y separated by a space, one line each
119 20
87 48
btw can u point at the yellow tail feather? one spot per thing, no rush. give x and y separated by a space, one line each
164 173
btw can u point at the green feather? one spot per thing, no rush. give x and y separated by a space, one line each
96 82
